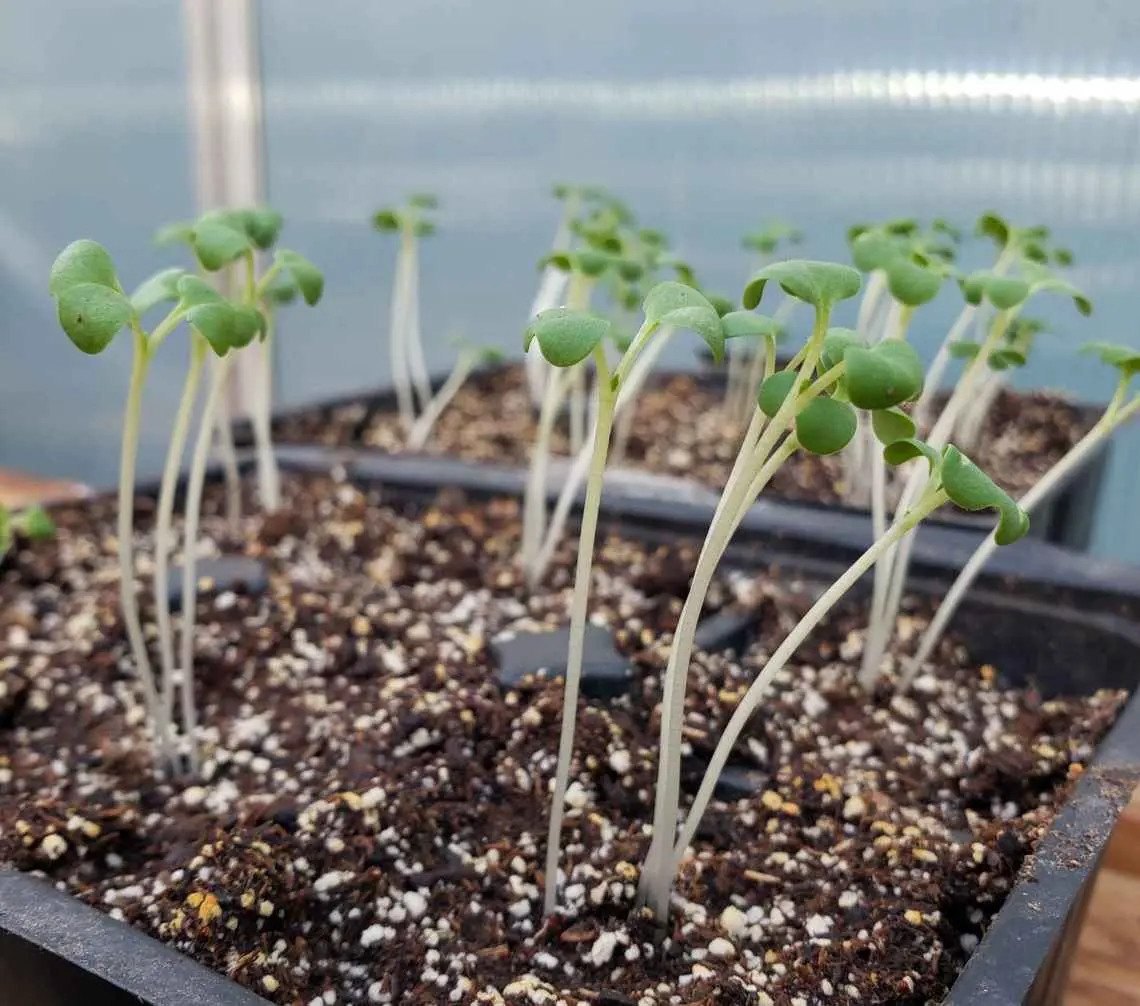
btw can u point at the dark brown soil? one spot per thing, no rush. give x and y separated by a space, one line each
680 430
370 824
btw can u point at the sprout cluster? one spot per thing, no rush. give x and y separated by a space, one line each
93 309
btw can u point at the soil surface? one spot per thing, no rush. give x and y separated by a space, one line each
370 822
680 429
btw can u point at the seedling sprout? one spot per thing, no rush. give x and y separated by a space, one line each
405 342
32 523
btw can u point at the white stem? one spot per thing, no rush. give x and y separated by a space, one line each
579 611
225 446
397 341
972 422
128 593
1049 483
784 652
268 476
869 302
419 369
430 416
624 409
551 291
163 536
534 497
578 409
190 558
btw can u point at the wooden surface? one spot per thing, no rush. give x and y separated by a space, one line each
1106 971
19 490
1107 967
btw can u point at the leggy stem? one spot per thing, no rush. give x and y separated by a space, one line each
269 477
1112 419
534 499
190 558
420 377
163 542
427 420
397 341
784 652
128 594
225 444
735 500
578 613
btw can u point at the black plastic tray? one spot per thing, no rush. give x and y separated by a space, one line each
1066 518
55 950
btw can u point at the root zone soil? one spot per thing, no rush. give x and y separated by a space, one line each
679 429
369 826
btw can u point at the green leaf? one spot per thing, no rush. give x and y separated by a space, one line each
590 262
5 531
972 489
423 201
873 249
745 324
1004 292
248 324
994 227
82 262
836 343
964 349
566 337
825 426
262 226
821 284
309 279
180 233
34 523
386 220
899 452
890 425
887 374
669 296
92 315
1003 359
217 244
1041 279
216 323
774 390
161 288
629 270
194 290
423 228
911 284
1123 358
281 291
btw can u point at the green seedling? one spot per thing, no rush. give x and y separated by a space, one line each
576 200
468 358
219 239
32 523
586 269
950 476
92 309
409 365
567 338
1123 406
1007 295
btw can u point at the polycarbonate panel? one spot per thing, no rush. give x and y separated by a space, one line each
93 143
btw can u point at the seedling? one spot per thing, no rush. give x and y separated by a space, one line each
1007 295
567 338
409 365
32 523
1123 406
950 476
92 309
221 238
585 268
468 359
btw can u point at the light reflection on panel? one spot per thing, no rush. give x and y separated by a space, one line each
820 111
